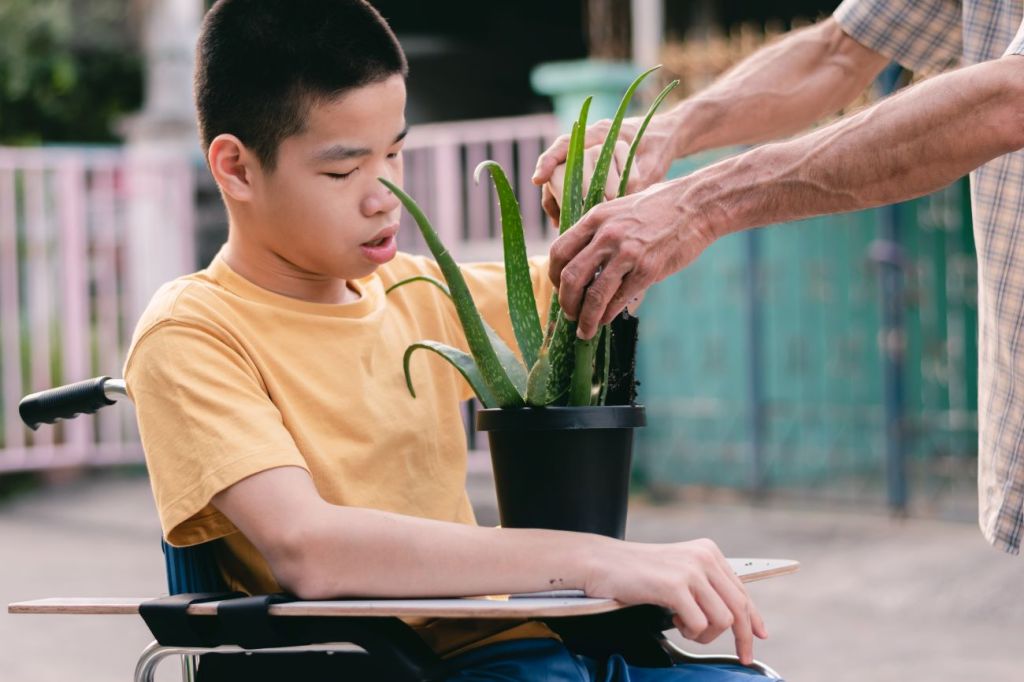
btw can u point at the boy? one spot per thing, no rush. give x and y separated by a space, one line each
269 390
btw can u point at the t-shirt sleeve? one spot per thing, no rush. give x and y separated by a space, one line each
206 422
925 36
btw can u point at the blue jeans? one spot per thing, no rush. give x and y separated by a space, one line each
547 660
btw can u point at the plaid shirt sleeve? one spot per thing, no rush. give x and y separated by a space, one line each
1017 46
925 36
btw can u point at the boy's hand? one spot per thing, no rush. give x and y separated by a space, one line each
655 154
692 579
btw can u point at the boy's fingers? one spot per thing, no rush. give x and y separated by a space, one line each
734 594
689 619
719 615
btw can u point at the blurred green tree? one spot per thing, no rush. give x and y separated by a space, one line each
69 69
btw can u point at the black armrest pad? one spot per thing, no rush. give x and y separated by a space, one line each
168 619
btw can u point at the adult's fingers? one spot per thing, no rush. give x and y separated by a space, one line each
598 293
611 188
553 157
577 276
629 294
556 154
568 246
550 204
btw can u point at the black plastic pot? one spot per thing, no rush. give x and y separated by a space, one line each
563 468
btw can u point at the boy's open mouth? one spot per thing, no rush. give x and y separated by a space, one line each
382 248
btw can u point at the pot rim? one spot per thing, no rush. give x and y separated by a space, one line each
561 418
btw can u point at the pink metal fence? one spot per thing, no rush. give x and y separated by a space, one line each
69 288
439 163
66 281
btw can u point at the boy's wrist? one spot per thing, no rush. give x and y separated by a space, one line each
593 559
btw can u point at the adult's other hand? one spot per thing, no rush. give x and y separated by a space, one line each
656 152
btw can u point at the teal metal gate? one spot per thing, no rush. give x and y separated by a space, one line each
762 365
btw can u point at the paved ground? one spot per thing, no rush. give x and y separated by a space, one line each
876 600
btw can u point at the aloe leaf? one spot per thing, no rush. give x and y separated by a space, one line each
604 160
495 375
537 384
461 360
581 390
574 174
522 304
562 331
624 180
561 358
509 361
419 278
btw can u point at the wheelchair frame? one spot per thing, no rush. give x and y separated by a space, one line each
200 617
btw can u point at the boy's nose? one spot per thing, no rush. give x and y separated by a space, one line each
381 200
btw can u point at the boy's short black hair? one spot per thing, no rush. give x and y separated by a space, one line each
260 65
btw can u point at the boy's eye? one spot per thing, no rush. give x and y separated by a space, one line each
339 176
394 155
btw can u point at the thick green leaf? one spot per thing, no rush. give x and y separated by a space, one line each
597 182
537 384
462 361
522 304
563 332
581 390
515 369
572 206
419 278
561 359
624 180
495 375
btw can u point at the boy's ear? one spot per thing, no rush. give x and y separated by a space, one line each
233 166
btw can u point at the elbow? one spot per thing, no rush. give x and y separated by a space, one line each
298 570
1010 123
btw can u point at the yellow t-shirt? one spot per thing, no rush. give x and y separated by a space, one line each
230 379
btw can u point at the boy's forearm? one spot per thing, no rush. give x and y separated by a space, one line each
906 146
369 553
779 90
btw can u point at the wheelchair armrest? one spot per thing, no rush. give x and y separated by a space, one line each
246 622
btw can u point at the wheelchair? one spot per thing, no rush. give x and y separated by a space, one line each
220 635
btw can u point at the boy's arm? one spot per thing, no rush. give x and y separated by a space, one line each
318 550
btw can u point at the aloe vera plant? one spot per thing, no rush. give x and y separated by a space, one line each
553 366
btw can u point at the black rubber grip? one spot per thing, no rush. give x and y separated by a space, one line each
63 402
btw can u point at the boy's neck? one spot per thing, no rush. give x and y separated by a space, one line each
270 271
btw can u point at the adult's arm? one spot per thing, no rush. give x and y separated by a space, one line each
779 90
318 550
908 145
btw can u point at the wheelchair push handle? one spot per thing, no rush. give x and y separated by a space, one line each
67 402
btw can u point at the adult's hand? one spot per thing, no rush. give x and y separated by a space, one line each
620 248
656 152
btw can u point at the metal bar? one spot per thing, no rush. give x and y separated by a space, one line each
71 244
38 298
893 336
755 364
105 276
10 312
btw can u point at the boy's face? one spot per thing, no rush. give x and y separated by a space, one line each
322 208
